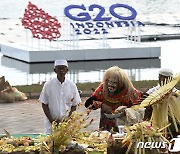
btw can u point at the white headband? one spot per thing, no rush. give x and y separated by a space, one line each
60 62
166 72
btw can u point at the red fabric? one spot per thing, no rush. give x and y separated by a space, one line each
42 25
110 123
114 102
122 97
98 93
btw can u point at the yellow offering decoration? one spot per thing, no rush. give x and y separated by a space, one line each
71 130
22 144
162 93
165 104
141 133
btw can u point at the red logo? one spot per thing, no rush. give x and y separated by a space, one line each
42 25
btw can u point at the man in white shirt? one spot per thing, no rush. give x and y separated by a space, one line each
164 76
59 96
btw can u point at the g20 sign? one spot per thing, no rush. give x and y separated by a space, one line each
87 24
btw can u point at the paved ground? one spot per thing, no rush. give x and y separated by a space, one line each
28 117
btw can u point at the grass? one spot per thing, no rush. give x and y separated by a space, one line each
36 88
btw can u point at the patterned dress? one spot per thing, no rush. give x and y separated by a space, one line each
120 98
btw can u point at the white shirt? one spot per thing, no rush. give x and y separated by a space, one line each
59 98
156 88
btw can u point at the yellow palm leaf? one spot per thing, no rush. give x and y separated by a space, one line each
162 93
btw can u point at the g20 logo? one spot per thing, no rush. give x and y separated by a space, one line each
100 20
85 16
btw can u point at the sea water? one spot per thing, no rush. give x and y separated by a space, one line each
154 12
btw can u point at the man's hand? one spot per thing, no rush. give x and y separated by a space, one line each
56 122
73 108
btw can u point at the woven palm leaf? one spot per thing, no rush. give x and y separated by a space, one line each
162 93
